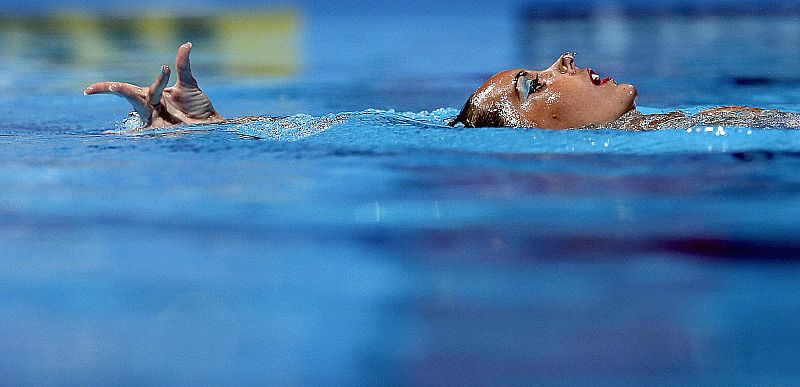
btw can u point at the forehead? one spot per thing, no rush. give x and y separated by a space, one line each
498 81
505 75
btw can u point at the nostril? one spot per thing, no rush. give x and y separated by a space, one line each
567 62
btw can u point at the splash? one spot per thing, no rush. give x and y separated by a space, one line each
289 128
131 123
300 126
132 126
705 120
297 126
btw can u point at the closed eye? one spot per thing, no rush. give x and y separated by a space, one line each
526 85
516 78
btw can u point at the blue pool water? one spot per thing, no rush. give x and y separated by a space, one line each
389 249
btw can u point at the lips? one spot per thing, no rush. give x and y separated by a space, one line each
595 78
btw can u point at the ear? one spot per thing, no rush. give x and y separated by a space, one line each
464 114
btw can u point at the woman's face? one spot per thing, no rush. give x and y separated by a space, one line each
558 97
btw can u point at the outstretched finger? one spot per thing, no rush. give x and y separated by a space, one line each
184 68
135 95
118 88
157 88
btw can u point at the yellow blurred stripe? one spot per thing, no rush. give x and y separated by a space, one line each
259 43
255 43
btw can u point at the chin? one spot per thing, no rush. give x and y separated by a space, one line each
629 97
632 92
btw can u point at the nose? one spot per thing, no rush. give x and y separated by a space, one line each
566 63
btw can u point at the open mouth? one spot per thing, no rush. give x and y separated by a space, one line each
596 78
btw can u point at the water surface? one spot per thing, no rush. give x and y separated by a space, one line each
386 248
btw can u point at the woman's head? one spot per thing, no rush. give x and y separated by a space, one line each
558 97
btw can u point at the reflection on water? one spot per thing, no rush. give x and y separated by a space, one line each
253 43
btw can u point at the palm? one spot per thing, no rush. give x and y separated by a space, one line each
159 105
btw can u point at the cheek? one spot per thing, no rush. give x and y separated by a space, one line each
538 107
557 105
591 101
545 100
568 94
576 109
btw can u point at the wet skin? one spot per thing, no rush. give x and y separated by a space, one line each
558 97
159 105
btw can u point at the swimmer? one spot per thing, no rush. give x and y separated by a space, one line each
562 96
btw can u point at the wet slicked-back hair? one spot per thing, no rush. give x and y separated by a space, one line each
474 117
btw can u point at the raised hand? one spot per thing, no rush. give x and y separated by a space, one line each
159 105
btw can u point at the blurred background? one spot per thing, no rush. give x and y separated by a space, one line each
410 55
392 250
